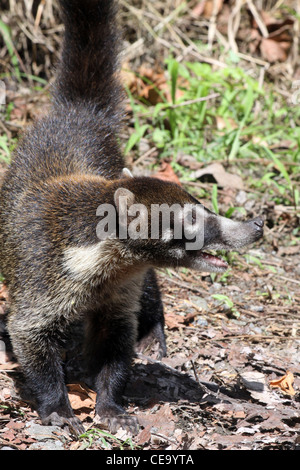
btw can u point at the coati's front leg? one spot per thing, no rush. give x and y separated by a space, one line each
36 347
109 350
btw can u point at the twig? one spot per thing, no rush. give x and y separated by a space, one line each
145 155
233 25
255 60
166 438
258 19
287 279
212 24
39 14
165 22
195 51
201 384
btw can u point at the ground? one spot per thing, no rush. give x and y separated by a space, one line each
231 377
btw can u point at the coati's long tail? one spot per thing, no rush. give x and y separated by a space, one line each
87 71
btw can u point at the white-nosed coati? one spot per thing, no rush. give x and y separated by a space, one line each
57 268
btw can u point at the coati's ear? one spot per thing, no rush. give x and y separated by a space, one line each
126 173
123 199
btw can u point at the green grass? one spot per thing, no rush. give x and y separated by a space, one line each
259 126
6 147
105 439
5 32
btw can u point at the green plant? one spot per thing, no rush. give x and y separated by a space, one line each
226 301
6 148
214 198
6 34
104 437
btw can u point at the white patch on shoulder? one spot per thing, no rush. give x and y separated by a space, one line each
99 261
81 261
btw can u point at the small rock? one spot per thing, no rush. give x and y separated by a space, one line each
257 308
47 445
241 198
43 433
199 301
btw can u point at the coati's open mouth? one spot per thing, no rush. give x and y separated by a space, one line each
213 260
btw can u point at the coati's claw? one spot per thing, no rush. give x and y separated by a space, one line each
73 423
113 423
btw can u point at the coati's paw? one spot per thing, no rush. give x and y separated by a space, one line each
114 422
74 424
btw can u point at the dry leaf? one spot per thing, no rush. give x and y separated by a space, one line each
199 8
273 23
189 161
82 399
256 385
174 320
167 173
274 51
258 140
289 250
207 7
285 384
276 46
222 177
225 123
162 422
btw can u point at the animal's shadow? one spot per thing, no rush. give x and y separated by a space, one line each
156 382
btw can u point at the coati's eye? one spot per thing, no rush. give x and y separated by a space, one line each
191 216
194 215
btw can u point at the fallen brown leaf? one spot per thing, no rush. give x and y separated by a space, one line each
222 177
82 399
174 320
189 161
274 51
163 421
285 383
207 7
167 173
227 123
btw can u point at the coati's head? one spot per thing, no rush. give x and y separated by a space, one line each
166 226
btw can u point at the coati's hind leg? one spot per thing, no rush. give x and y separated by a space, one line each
151 317
109 350
38 352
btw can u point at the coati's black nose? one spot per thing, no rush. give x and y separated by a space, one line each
258 222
